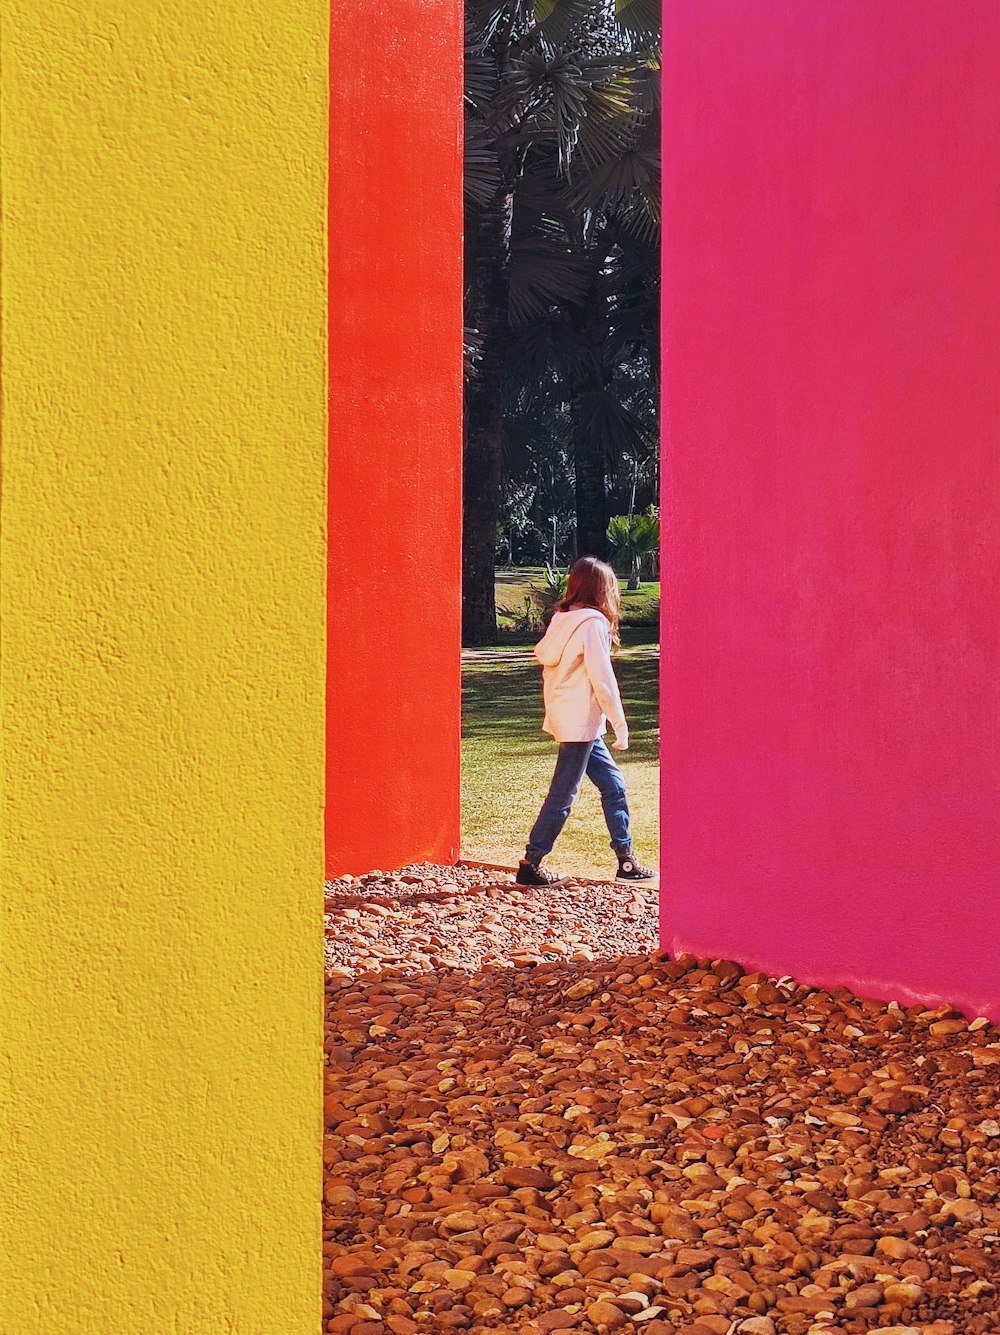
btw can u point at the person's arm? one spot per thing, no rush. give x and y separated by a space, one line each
597 660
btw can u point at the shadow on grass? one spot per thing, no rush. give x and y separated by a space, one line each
631 637
504 701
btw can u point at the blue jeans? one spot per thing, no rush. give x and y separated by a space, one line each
574 761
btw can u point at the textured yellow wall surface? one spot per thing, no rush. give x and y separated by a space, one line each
163 609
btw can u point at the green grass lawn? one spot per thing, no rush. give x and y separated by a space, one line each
640 606
507 761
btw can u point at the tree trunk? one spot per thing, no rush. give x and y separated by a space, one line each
488 286
591 504
588 448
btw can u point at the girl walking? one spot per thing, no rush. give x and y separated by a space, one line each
581 697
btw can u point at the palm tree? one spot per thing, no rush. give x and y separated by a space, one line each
635 538
603 350
561 184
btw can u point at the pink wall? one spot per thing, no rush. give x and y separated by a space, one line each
395 487
831 633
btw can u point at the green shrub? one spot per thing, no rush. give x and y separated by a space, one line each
636 541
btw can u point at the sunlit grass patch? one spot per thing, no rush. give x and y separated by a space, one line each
507 763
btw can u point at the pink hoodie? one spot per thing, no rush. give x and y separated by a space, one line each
578 682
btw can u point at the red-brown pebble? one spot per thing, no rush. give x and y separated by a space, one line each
537 1123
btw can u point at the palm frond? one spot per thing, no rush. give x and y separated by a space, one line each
545 269
610 119
481 179
557 19
543 98
472 351
481 78
553 97
640 222
548 355
533 433
621 181
541 193
493 18
648 81
602 415
642 18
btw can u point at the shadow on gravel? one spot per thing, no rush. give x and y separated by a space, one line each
646 1144
490 890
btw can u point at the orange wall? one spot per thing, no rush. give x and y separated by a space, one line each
394 588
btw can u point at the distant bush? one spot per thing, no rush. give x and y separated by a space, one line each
552 591
636 542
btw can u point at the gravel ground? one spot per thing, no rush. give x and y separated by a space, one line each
536 1123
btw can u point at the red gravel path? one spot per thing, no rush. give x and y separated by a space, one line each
535 1123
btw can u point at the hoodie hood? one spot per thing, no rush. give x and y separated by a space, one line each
549 648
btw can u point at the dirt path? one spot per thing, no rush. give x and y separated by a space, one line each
535 1124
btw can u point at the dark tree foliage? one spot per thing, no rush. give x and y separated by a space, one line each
562 183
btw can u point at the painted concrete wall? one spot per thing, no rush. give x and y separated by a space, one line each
394 717
831 634
164 300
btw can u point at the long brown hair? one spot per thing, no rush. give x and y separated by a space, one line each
592 583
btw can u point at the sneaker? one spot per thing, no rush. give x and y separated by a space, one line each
530 874
630 870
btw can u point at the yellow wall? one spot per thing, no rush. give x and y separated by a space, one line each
163 582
